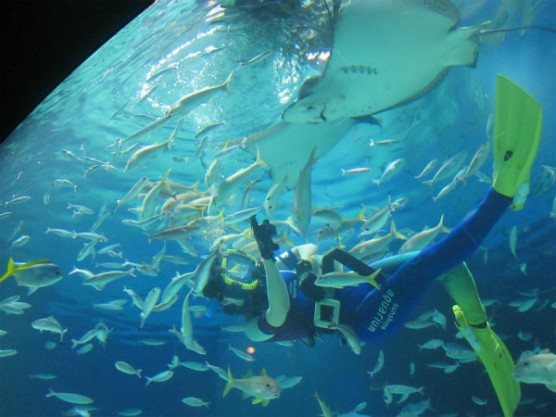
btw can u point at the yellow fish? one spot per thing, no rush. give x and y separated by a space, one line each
34 274
263 388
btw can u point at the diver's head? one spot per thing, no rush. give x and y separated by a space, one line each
237 282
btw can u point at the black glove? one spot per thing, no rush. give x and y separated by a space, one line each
263 236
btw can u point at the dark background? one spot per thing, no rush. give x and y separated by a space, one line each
43 41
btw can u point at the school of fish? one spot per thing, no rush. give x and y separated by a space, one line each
191 222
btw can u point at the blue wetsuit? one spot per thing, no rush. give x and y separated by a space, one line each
373 313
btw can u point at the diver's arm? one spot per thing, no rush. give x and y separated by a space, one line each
277 293
278 304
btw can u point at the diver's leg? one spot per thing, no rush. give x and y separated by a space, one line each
466 237
517 127
516 136
401 292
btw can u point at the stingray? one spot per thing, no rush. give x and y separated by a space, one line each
286 147
385 53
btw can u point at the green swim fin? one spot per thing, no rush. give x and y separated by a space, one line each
496 359
517 131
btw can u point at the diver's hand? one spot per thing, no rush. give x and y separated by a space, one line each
263 236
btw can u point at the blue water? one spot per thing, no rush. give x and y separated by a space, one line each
172 50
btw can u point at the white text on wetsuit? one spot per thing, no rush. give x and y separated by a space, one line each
386 312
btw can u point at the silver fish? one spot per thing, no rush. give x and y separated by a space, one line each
148 304
183 106
134 191
126 368
70 397
36 276
160 377
302 200
389 171
379 364
50 324
537 368
273 196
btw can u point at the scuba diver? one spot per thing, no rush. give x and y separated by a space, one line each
289 304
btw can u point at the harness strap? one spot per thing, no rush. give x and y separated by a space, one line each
350 261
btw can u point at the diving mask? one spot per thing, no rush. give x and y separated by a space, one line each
237 270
